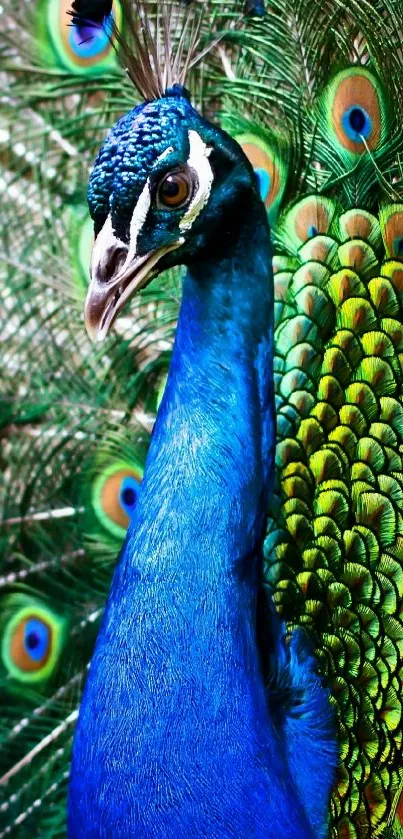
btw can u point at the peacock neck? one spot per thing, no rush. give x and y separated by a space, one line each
174 715
213 439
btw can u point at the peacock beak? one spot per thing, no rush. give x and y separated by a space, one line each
116 275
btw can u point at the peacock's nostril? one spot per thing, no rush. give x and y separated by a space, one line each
113 260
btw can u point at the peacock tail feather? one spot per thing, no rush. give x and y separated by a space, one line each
334 543
74 428
313 93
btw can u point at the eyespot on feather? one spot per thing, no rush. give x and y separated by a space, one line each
32 640
391 221
319 249
355 110
82 48
308 218
359 224
31 644
114 496
269 169
393 270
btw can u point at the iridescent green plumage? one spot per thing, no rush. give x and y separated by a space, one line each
334 548
336 530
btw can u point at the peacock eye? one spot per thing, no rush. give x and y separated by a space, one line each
32 639
174 190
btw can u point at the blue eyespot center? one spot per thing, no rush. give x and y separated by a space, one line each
85 31
312 231
128 494
264 182
357 120
357 124
88 40
398 245
32 640
36 639
129 497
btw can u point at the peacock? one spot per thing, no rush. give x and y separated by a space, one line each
246 674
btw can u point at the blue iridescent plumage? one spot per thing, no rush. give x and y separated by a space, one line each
317 110
198 719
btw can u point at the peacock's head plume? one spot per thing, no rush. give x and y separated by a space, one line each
167 186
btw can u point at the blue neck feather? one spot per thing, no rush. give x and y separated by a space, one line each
175 738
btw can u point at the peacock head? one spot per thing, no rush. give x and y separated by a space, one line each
166 189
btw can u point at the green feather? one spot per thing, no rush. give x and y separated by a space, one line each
62 45
116 464
18 612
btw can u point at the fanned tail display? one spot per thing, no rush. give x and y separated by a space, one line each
313 92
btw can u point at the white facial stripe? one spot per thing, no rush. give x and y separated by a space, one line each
138 218
165 154
198 160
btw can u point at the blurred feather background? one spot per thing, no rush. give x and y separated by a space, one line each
75 419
